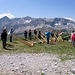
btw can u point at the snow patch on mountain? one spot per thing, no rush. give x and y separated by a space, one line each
28 21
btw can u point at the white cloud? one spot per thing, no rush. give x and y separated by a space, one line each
70 19
8 15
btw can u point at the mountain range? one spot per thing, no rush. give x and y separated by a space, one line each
26 23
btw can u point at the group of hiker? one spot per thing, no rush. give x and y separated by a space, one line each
26 33
40 35
30 34
48 34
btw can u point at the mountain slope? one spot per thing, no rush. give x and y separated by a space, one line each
20 24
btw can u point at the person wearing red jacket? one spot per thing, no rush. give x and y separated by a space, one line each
73 39
71 35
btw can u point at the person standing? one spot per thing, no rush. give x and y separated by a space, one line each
52 34
5 29
25 34
35 33
30 33
4 38
59 32
39 34
73 39
56 33
71 35
48 35
11 32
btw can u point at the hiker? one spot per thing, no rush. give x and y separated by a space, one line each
59 32
52 34
56 33
25 34
48 35
4 38
71 35
11 32
30 33
35 33
39 34
6 32
73 39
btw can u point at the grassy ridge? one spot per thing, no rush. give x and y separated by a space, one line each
63 49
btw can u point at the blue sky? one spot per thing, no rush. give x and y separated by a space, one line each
39 8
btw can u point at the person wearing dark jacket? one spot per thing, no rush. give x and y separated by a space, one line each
4 38
52 34
30 33
25 34
35 33
39 34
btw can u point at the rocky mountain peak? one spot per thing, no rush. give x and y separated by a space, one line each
27 18
5 17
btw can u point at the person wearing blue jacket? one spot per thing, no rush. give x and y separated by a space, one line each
11 32
48 35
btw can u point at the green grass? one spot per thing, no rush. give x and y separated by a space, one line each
63 49
42 74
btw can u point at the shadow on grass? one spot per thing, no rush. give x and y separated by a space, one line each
52 44
10 45
7 49
15 42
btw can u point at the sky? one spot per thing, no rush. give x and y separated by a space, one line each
38 8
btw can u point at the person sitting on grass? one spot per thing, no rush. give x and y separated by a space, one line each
73 39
